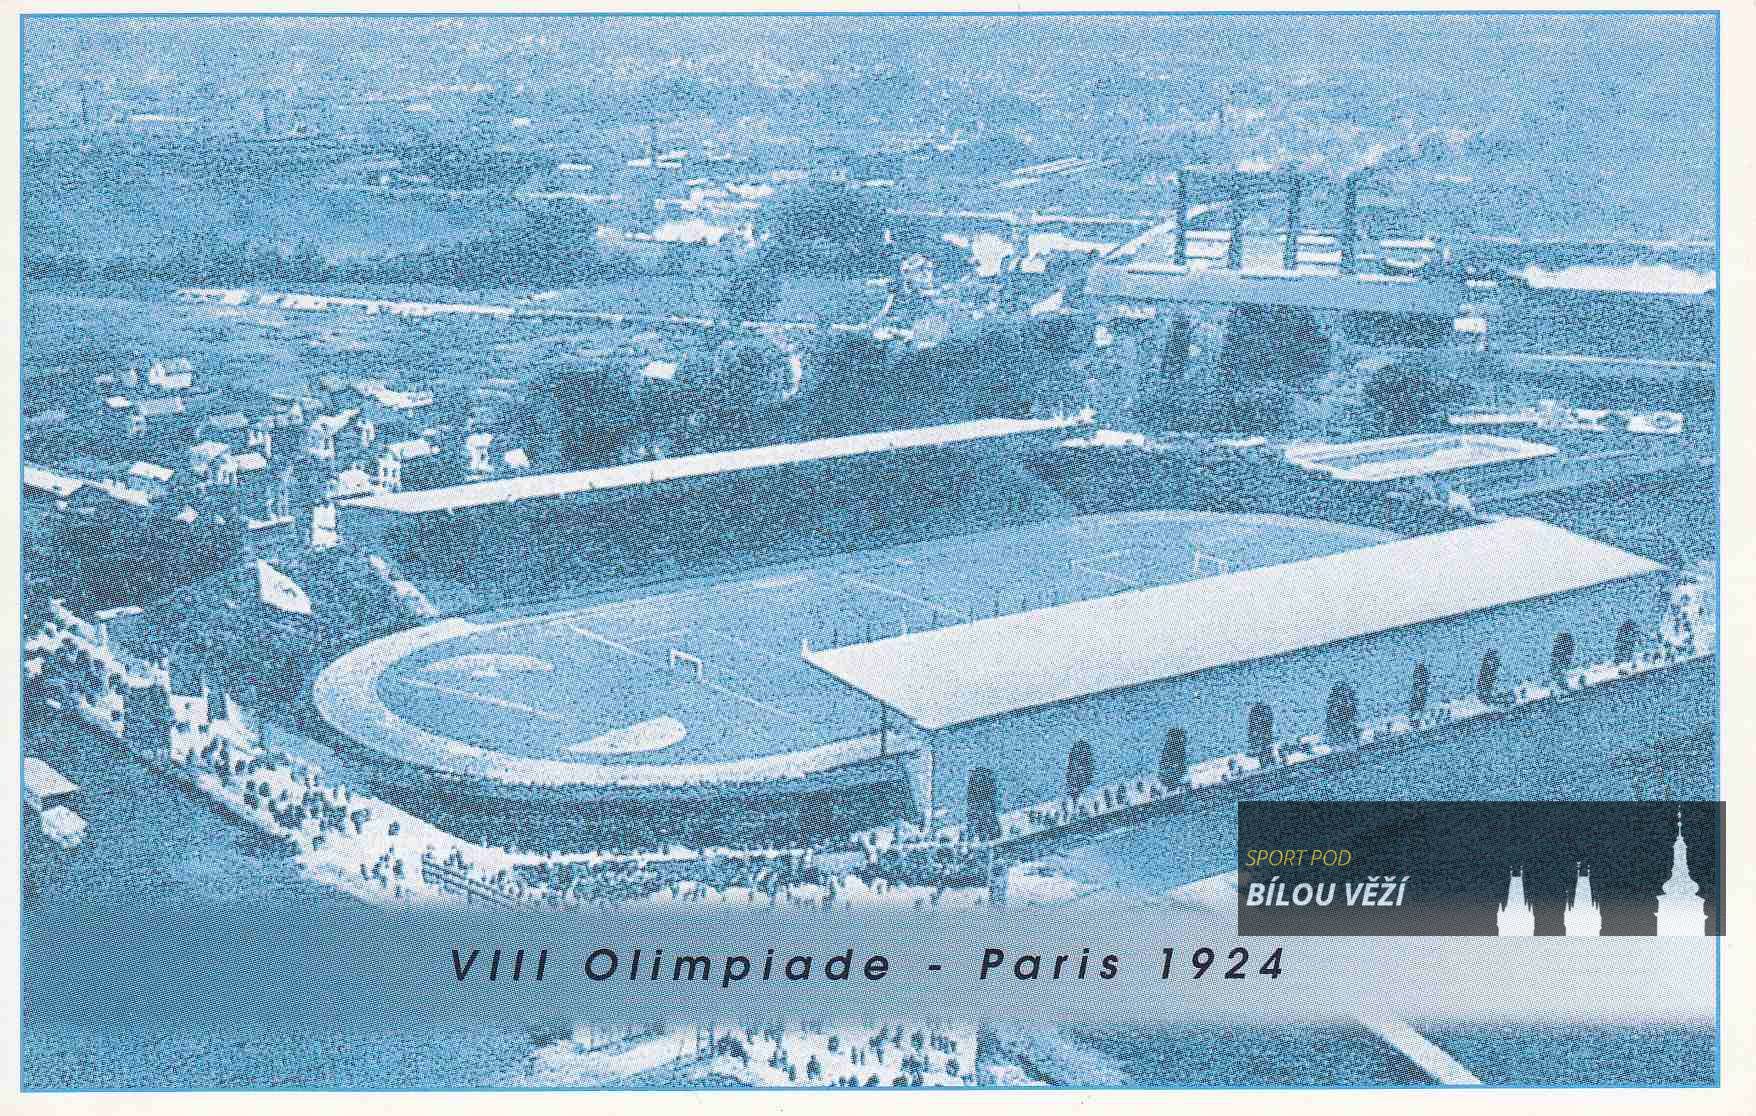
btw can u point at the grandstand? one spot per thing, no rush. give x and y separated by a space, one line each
514 539
1119 671
542 486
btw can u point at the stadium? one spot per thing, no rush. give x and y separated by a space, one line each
804 698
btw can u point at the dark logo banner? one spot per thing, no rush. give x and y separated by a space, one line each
1515 869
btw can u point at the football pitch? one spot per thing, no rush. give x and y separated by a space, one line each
710 672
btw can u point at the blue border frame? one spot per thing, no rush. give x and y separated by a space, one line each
1720 507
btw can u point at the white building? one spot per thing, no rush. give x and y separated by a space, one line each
323 531
234 467
477 444
172 375
204 454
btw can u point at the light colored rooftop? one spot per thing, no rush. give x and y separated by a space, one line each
45 480
1006 664
541 485
44 781
1413 455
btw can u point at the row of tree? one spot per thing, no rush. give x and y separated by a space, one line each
541 244
1341 723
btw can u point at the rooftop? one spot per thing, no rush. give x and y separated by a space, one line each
44 781
950 676
45 480
1413 455
541 485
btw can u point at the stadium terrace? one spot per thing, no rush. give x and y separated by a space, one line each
614 477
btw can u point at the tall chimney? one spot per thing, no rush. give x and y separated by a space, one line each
1235 247
1350 205
1182 251
1290 257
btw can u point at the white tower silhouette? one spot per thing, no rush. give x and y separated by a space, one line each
1515 918
1583 918
1681 910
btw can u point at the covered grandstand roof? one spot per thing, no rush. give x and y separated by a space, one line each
540 485
1006 664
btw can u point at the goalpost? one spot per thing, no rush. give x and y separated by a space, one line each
688 662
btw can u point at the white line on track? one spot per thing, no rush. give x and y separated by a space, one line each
658 636
748 700
876 588
748 646
485 699
670 602
1080 565
596 637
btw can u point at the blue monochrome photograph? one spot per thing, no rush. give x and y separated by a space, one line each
870 551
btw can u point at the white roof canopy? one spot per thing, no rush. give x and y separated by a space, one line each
1005 664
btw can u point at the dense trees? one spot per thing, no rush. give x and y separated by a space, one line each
740 392
576 415
829 229
1409 394
1283 344
545 243
751 295
129 555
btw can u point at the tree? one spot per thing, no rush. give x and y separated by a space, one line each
1279 343
1173 758
1081 769
1488 676
1417 697
1257 406
1341 719
1165 399
1406 395
1561 656
983 805
1259 730
576 414
821 212
750 295
1627 637
744 389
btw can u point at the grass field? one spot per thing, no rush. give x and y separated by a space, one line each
710 672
